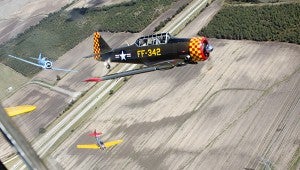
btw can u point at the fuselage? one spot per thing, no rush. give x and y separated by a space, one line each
46 64
157 52
153 49
148 55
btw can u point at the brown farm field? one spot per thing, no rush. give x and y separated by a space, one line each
10 81
237 110
232 111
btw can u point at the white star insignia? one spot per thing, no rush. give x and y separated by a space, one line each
123 56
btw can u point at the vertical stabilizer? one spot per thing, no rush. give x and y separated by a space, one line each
40 56
97 46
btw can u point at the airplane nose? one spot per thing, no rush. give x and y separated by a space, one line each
209 48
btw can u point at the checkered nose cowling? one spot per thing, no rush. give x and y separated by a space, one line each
97 46
197 49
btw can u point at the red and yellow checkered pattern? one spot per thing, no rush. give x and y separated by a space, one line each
196 49
97 46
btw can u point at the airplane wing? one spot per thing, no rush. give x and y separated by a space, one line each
29 62
95 146
130 73
88 146
61 69
14 111
112 143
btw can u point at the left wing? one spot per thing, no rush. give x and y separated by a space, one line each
14 111
164 66
95 146
29 62
88 146
61 69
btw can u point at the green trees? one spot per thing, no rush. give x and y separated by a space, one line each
260 23
61 31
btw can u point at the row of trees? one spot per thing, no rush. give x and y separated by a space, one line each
61 31
260 23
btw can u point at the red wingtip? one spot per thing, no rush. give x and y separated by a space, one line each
93 79
95 134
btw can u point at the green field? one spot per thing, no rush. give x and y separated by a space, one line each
279 22
61 31
10 78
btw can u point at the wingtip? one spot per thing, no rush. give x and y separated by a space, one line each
95 134
93 79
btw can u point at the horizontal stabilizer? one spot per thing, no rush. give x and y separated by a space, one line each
95 134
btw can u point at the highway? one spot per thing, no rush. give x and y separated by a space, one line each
74 95
180 21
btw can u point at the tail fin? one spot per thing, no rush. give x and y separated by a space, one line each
95 134
97 46
40 56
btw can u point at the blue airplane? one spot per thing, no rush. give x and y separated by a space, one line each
42 62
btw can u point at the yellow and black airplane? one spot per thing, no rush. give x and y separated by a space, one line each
157 52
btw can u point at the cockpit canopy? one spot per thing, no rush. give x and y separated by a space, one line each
155 39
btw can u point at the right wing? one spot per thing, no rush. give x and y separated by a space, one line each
61 69
112 143
29 62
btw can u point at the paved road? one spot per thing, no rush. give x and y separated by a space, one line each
74 95
180 21
201 20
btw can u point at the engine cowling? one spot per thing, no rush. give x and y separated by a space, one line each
199 49
48 65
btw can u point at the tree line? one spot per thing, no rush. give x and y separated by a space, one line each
259 23
62 30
